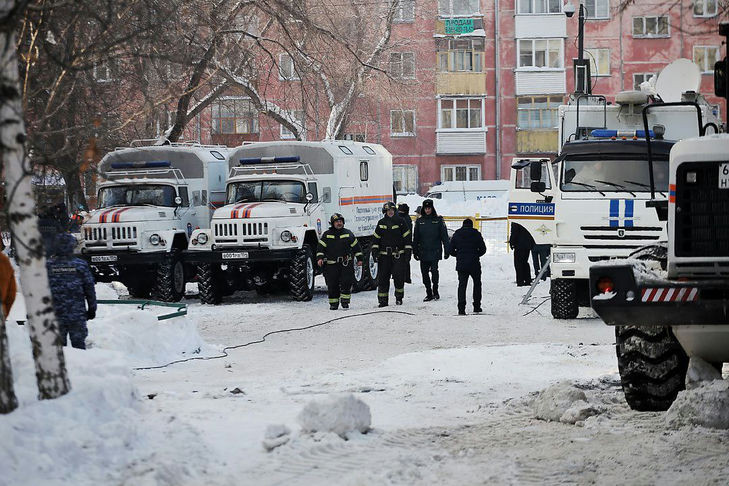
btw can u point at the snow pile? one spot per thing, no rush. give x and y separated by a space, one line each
340 415
700 371
706 405
564 403
276 435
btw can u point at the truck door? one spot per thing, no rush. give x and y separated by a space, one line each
534 210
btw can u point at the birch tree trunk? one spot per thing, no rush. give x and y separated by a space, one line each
50 366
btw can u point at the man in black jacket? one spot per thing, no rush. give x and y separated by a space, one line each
429 236
338 248
391 249
521 241
468 247
403 210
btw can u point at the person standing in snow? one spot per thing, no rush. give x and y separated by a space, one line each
339 250
403 210
391 250
72 288
468 247
522 243
429 236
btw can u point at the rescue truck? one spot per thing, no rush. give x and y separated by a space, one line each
150 201
278 201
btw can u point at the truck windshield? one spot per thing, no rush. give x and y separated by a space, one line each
251 191
137 195
629 176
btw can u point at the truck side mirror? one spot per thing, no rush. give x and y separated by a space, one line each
535 170
538 186
720 75
309 197
178 201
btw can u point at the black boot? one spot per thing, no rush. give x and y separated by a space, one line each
398 301
345 304
477 309
383 303
436 295
333 306
428 295
461 312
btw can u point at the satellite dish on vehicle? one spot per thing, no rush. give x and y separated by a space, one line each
678 77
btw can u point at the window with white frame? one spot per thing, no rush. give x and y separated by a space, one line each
402 123
597 9
459 55
234 116
640 78
537 112
298 116
286 68
599 61
402 65
651 26
460 113
540 6
705 57
453 8
460 173
705 8
405 178
540 53
405 11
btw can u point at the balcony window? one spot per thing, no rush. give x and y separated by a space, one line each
457 8
402 123
537 112
640 78
460 113
705 57
402 65
599 61
705 8
298 116
460 173
540 6
647 27
234 116
540 53
286 68
405 11
461 55
597 9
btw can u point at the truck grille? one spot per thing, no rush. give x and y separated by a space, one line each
229 232
702 212
100 236
628 234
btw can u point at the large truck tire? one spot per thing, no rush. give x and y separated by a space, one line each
170 283
370 269
564 298
652 366
301 275
362 276
209 283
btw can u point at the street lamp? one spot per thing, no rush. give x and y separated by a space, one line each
581 68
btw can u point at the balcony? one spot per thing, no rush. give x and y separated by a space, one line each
540 25
537 141
461 142
540 81
460 83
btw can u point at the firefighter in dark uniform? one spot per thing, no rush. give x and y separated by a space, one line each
339 250
391 249
403 210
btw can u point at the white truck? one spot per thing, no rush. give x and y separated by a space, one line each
279 198
590 202
460 191
150 202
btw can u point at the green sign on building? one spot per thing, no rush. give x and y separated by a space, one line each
458 26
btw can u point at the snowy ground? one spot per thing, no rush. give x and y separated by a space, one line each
453 400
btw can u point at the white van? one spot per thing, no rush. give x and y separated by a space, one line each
458 191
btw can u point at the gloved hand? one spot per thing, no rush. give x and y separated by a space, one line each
90 314
320 262
416 256
446 256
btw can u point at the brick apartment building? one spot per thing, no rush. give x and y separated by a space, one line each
485 79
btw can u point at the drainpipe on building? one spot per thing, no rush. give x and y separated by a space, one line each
622 63
497 97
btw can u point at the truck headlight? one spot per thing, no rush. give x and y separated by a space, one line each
563 257
202 238
286 236
154 239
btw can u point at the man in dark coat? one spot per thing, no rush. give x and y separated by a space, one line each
338 248
429 237
468 247
522 243
72 288
403 210
391 250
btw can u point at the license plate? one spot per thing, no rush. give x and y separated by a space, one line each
724 176
230 255
103 258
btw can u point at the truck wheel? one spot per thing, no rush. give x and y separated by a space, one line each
209 283
652 366
370 269
170 284
301 275
360 278
564 298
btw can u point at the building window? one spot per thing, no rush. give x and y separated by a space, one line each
650 26
599 61
537 112
402 65
640 78
405 178
540 53
460 113
452 8
298 116
597 9
402 123
705 8
540 6
458 55
286 68
234 116
405 11
705 57
460 173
